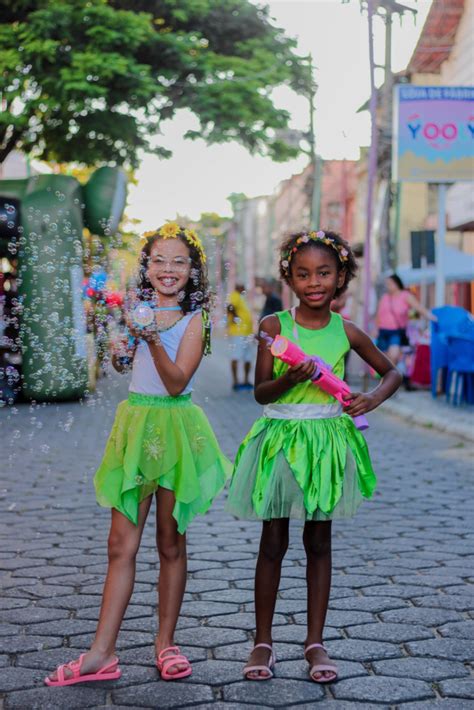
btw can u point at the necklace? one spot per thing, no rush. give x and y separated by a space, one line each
166 308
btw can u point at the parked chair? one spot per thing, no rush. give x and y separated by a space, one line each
460 370
451 320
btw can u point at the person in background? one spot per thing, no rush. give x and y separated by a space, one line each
273 302
392 319
240 332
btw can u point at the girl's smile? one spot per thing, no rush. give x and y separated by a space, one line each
315 276
169 266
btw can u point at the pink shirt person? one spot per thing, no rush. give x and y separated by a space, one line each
393 310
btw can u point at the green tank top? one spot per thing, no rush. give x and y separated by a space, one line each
330 343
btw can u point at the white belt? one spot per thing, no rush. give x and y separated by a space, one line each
302 411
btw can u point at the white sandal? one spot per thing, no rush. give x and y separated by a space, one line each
268 668
320 667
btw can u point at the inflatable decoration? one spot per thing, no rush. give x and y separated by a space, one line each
41 222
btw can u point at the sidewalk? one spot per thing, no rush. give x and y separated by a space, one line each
420 408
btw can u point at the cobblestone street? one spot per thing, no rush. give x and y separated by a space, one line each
401 619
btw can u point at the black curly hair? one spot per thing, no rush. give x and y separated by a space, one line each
197 292
290 243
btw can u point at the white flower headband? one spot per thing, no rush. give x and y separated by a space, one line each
319 236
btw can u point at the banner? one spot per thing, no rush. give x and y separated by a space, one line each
433 133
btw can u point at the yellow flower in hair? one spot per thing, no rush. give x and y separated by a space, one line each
150 233
169 230
192 238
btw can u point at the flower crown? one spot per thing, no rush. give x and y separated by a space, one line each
320 236
171 230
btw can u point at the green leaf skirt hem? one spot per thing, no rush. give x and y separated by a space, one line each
309 469
161 441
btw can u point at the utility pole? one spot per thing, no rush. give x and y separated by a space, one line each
372 170
316 159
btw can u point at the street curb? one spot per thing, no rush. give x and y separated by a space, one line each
431 421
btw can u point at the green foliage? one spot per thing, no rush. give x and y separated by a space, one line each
90 81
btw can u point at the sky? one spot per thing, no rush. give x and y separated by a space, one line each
199 178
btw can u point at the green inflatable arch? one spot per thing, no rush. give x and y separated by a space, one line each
53 210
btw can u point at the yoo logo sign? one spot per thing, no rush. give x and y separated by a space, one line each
438 134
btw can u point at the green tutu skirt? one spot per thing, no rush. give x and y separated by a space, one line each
310 469
161 441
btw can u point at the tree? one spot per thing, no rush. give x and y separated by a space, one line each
90 81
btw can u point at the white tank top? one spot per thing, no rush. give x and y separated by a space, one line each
145 377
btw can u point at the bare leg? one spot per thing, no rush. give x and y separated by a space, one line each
247 366
394 354
173 562
233 367
317 544
273 546
124 541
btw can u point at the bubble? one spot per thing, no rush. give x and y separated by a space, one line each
45 448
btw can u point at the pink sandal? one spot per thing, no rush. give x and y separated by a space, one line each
268 668
174 657
320 667
109 672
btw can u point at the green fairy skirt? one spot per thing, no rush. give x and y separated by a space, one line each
310 469
161 441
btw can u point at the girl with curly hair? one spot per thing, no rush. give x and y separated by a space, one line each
161 445
304 458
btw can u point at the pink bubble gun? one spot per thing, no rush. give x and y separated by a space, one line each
289 352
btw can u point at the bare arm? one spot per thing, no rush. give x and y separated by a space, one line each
391 378
176 375
417 306
266 388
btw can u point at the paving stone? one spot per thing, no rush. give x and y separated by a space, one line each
242 620
341 618
295 633
56 698
423 616
22 644
236 596
204 609
372 604
398 633
163 694
429 669
17 679
32 614
216 672
65 627
354 650
7 603
277 693
458 688
375 689
458 629
443 704
457 602
443 648
207 637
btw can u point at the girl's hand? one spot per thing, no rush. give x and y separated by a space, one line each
149 334
300 373
360 403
